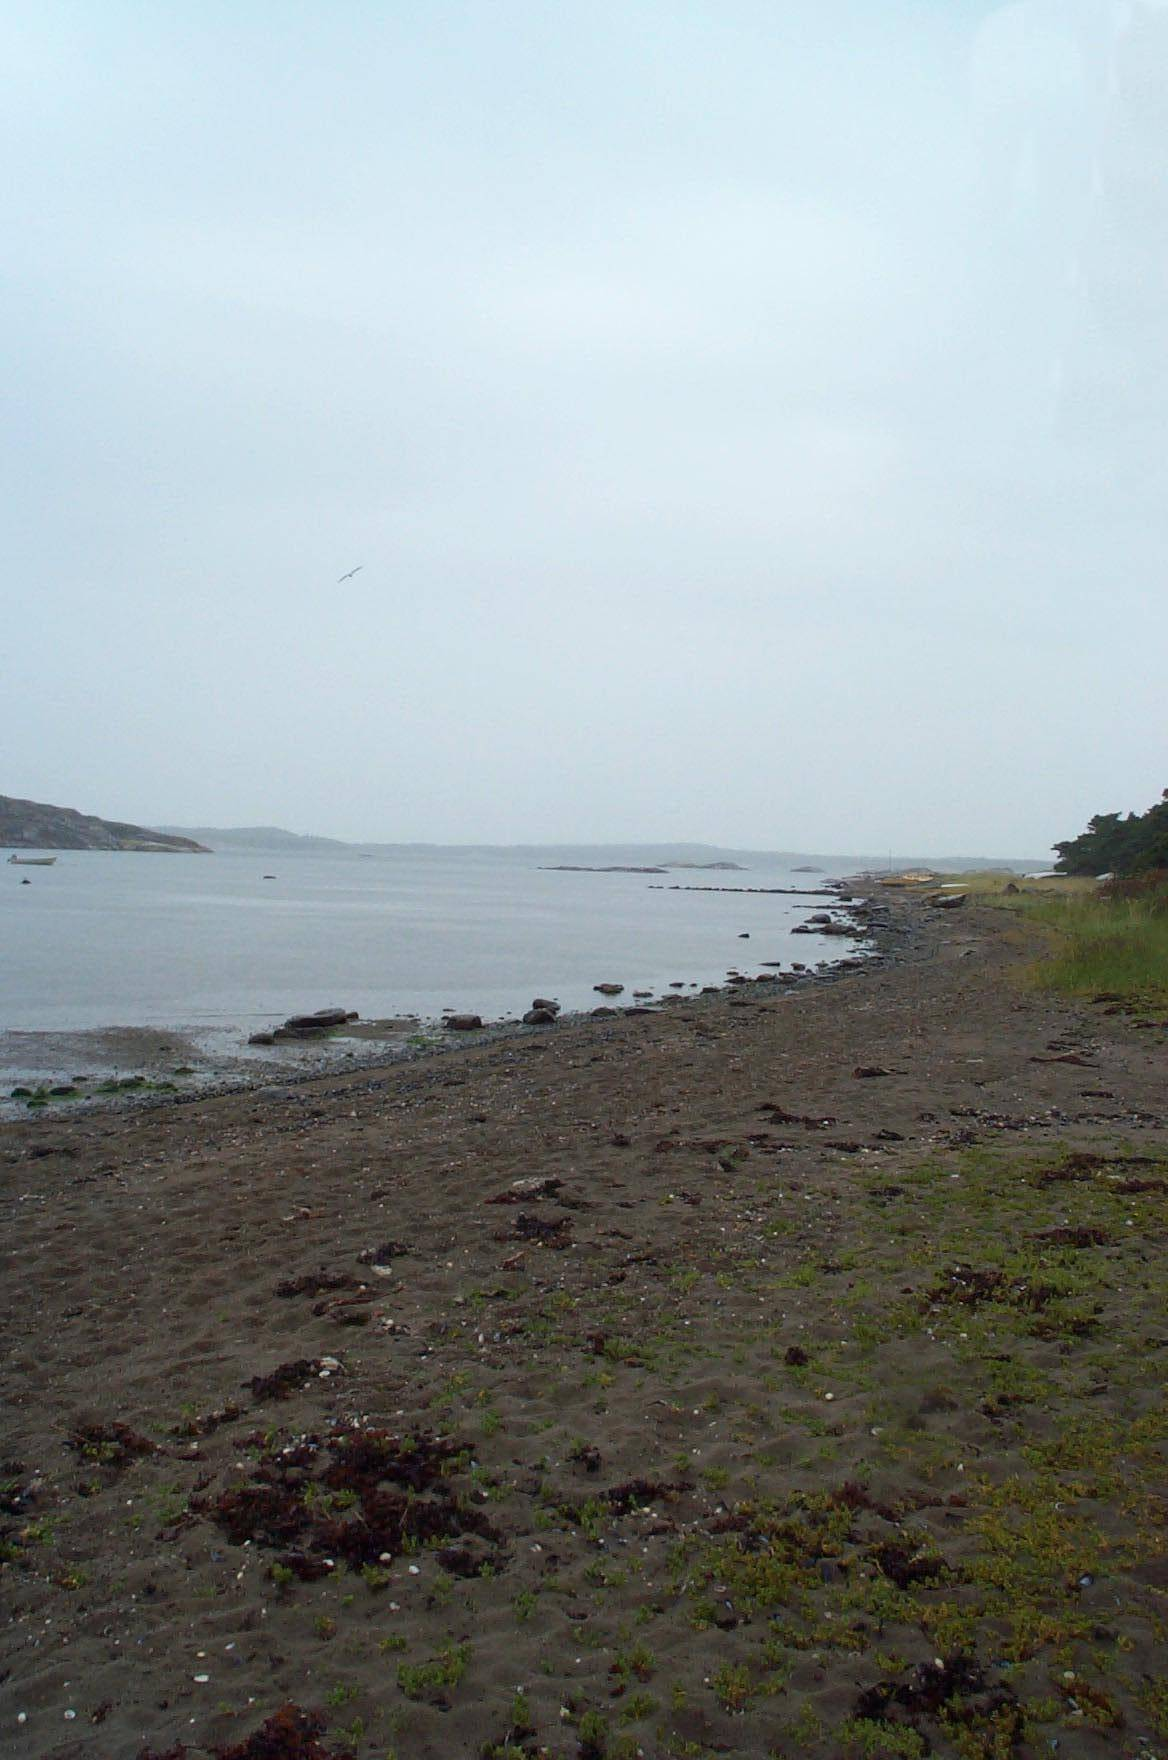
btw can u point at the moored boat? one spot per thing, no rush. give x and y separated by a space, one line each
31 861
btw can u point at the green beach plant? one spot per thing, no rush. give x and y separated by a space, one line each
417 1680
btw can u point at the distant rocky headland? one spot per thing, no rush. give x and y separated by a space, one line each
36 825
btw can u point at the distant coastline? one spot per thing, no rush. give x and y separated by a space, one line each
624 868
610 856
26 824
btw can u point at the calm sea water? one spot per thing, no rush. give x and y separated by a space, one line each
103 939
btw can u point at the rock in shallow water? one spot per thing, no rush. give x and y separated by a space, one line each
318 1022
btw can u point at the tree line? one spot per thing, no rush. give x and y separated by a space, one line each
1112 844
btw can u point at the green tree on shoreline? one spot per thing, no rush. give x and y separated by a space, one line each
1112 844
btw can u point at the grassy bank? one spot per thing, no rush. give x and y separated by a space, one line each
1096 943
1100 945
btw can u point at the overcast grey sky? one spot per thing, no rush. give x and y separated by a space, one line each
749 416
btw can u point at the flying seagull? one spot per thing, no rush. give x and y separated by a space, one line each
351 573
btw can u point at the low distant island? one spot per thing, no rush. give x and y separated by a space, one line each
664 868
36 825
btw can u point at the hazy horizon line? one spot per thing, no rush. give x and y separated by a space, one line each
560 843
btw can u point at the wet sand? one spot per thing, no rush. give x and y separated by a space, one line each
75 1070
808 1400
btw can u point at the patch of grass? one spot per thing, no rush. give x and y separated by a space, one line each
636 1664
866 1738
592 1735
1154 1701
989 884
637 1706
732 1685
521 1724
38 1533
1099 945
169 1504
421 1680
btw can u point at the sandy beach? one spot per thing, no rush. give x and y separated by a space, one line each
772 1374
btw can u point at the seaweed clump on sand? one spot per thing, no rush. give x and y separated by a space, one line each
316 1283
290 1734
952 1692
536 1231
1088 1164
285 1379
363 1495
109 1445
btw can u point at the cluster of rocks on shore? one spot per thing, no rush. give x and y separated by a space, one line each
856 924
542 1013
302 1027
823 924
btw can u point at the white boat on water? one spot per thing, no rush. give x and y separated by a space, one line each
31 861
